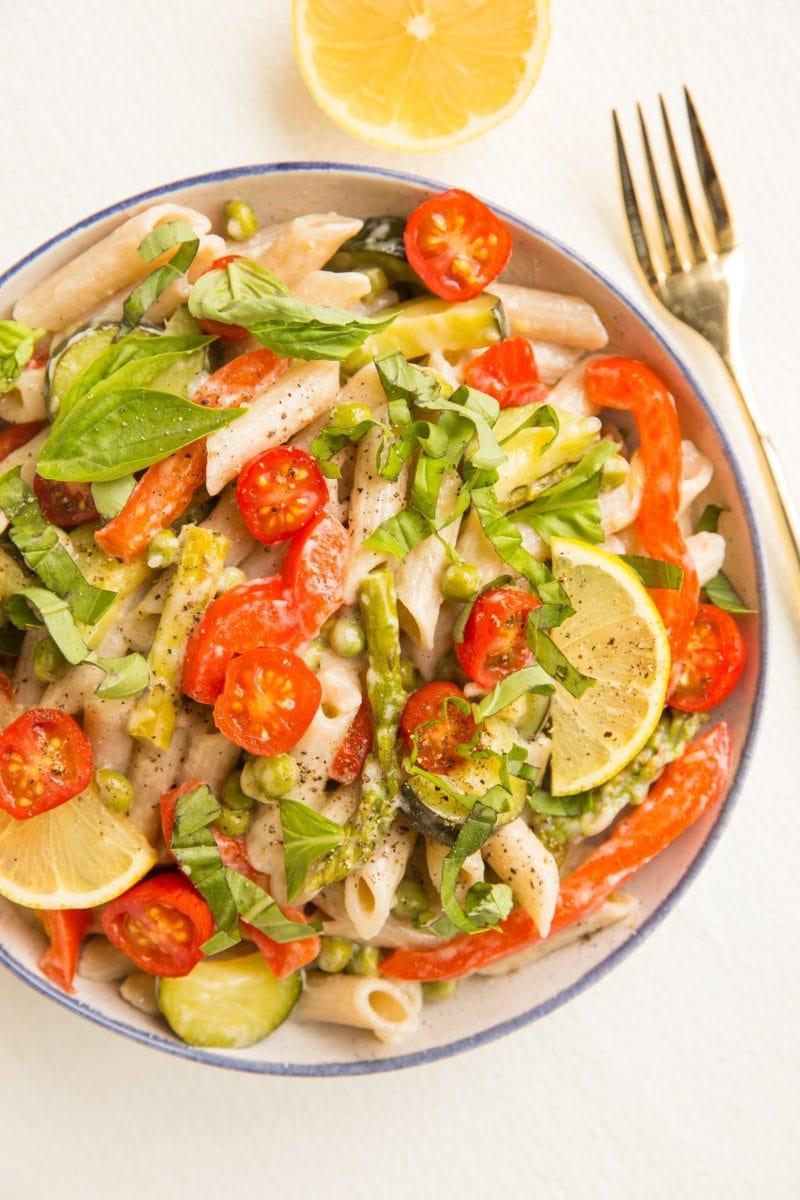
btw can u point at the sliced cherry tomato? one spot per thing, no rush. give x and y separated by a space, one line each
241 380
687 790
279 492
65 504
45 760
66 929
226 333
508 372
715 658
160 923
456 245
283 958
440 727
268 701
314 571
352 754
494 642
14 436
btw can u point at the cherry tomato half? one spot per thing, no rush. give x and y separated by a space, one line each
279 492
352 754
268 701
456 245
65 504
714 661
494 642
160 923
45 760
508 372
226 333
440 727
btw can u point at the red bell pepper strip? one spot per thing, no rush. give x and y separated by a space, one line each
66 929
627 384
687 790
283 958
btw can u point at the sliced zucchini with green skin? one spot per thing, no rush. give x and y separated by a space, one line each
228 1002
71 359
428 324
378 244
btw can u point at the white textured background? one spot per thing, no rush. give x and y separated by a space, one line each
675 1077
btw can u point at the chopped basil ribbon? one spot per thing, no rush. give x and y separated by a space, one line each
111 497
163 237
17 342
334 438
307 837
244 293
547 805
719 590
33 607
229 894
113 433
570 507
709 521
518 683
654 572
550 657
43 548
485 904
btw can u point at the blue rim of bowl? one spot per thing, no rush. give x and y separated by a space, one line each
371 1066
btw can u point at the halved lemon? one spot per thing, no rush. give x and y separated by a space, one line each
617 636
420 74
75 856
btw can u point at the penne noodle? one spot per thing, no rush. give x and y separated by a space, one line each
153 772
210 757
554 361
517 856
369 891
336 289
390 1009
569 393
707 552
419 577
305 244
105 723
226 518
472 870
393 934
551 316
28 688
25 402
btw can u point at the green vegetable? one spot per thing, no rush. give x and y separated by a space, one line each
232 794
364 960
13 577
379 243
71 358
164 237
270 777
519 683
460 582
192 587
551 658
421 326
409 675
709 521
654 572
43 548
338 433
438 989
347 637
721 592
111 497
233 822
535 450
230 578
307 836
49 663
570 508
334 955
228 1003
485 904
163 549
115 790
17 343
410 899
241 221
244 293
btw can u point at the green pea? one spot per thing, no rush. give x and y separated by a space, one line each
241 221
409 675
269 778
233 796
49 663
449 669
312 656
347 637
163 549
348 416
334 955
378 279
460 582
233 822
410 899
231 577
438 989
364 960
116 791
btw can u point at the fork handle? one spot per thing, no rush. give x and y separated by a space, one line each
782 501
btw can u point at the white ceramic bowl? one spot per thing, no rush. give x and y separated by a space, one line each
482 1008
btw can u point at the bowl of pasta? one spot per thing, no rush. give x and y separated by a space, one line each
382 621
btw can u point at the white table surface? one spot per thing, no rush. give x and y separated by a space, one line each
676 1075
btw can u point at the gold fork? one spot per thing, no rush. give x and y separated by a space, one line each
698 280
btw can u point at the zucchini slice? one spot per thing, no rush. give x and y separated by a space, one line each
378 244
428 324
71 359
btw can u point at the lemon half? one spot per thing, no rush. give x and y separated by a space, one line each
420 74
617 636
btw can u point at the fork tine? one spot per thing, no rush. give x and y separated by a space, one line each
658 196
720 213
698 249
635 223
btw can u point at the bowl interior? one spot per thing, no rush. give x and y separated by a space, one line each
482 1008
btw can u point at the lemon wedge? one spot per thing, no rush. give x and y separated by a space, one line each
616 635
420 74
75 856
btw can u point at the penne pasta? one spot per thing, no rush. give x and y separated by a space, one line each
551 316
418 578
153 772
389 1009
338 289
518 857
369 891
25 402
305 244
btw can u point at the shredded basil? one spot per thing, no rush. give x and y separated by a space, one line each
518 683
570 507
551 658
654 572
162 238
547 805
17 343
709 521
111 497
485 904
307 836
722 594
334 438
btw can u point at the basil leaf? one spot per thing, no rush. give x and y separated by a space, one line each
487 904
547 805
41 546
125 677
399 535
334 438
117 432
257 908
709 521
17 342
195 850
307 836
543 417
723 594
570 508
553 660
162 238
654 572
405 386
111 497
475 831
518 683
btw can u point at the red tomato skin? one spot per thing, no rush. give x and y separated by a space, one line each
268 701
66 929
25 743
279 492
456 244
352 754
440 734
232 850
508 372
226 333
715 658
14 436
65 504
144 921
284 958
495 629
241 380
314 571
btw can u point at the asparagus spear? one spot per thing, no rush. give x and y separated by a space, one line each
201 558
380 785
